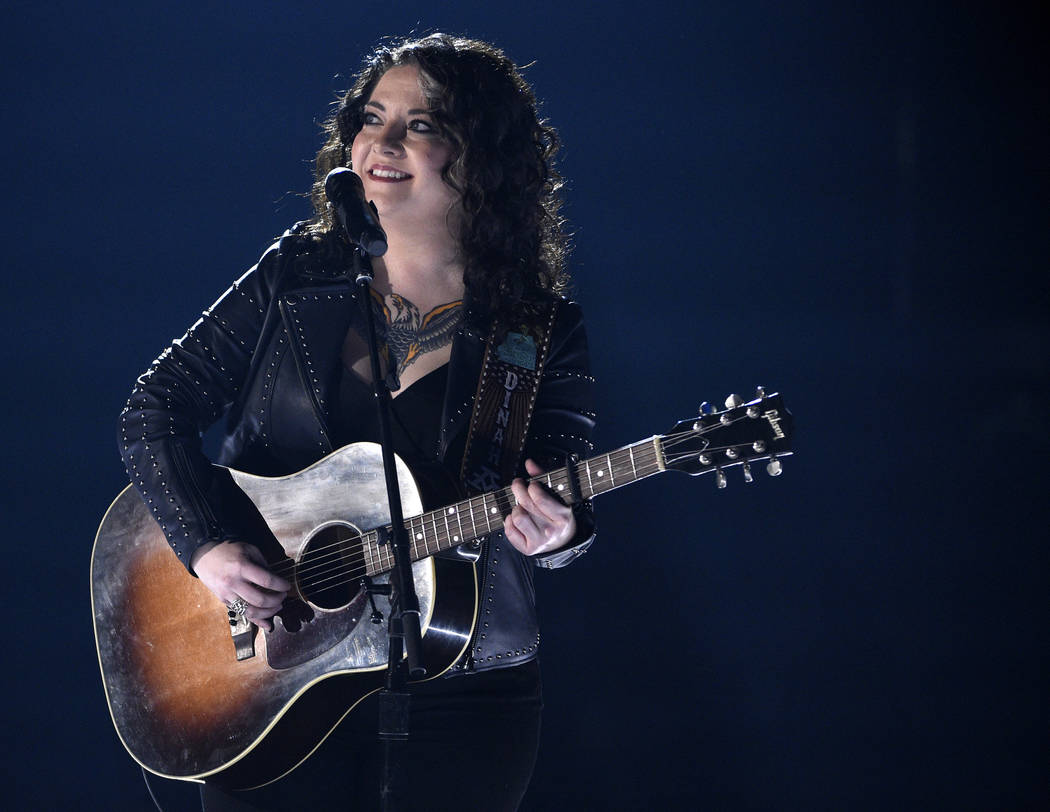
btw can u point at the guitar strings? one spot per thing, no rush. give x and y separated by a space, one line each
323 563
338 574
336 550
478 513
330 560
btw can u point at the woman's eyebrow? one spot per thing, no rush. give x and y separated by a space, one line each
415 111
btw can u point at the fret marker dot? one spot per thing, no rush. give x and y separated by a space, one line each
493 511
601 473
419 536
455 538
452 510
561 486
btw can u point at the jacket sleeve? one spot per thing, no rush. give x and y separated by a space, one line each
183 392
563 420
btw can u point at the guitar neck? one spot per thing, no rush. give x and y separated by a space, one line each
447 527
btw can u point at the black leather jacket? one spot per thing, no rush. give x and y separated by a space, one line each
268 354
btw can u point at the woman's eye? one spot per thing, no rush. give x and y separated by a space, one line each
370 118
420 126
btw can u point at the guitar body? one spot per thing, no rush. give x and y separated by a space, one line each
183 705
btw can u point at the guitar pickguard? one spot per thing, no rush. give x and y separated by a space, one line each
350 494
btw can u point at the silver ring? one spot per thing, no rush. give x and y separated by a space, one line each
238 606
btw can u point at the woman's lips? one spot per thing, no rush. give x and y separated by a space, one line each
387 174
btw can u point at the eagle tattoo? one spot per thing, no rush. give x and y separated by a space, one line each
409 335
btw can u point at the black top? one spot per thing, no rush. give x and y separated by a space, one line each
415 416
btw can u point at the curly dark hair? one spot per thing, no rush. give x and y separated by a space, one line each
502 164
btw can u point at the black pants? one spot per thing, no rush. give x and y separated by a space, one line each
472 745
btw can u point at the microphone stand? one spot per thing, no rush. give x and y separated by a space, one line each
404 604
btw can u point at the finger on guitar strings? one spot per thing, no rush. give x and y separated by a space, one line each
521 531
259 571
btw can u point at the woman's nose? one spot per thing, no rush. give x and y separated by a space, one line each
391 139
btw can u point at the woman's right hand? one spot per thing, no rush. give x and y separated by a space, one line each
234 569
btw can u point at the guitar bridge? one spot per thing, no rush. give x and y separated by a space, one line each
241 630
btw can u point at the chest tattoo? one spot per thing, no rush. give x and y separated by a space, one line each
408 334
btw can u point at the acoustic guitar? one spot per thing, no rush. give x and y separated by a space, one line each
192 698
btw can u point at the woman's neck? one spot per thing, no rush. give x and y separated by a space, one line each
426 272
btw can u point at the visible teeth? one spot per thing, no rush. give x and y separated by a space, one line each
389 173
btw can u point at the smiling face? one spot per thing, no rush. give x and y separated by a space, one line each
400 154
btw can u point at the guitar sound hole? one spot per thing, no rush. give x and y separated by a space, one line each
331 566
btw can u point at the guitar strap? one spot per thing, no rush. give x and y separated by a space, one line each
507 388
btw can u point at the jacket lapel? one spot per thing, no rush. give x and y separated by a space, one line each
316 320
468 352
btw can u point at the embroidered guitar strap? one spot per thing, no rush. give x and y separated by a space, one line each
507 389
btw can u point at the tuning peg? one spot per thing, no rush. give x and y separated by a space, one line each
706 408
747 473
720 477
733 401
760 392
774 468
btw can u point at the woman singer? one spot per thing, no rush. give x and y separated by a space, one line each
445 136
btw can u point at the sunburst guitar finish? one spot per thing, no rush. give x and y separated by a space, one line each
183 704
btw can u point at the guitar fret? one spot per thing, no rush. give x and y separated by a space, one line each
459 522
469 507
448 532
587 466
606 468
476 516
631 462
473 519
437 539
485 507
644 451
415 538
558 484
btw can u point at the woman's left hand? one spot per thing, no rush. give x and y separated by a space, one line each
540 522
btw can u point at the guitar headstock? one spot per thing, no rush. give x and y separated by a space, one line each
744 432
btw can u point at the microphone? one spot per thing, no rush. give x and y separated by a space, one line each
346 193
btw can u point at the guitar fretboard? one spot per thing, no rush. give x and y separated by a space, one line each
473 518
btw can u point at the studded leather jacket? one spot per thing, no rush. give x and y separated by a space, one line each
268 354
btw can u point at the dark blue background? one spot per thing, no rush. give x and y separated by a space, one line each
842 201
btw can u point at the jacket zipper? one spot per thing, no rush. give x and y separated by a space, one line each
200 505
